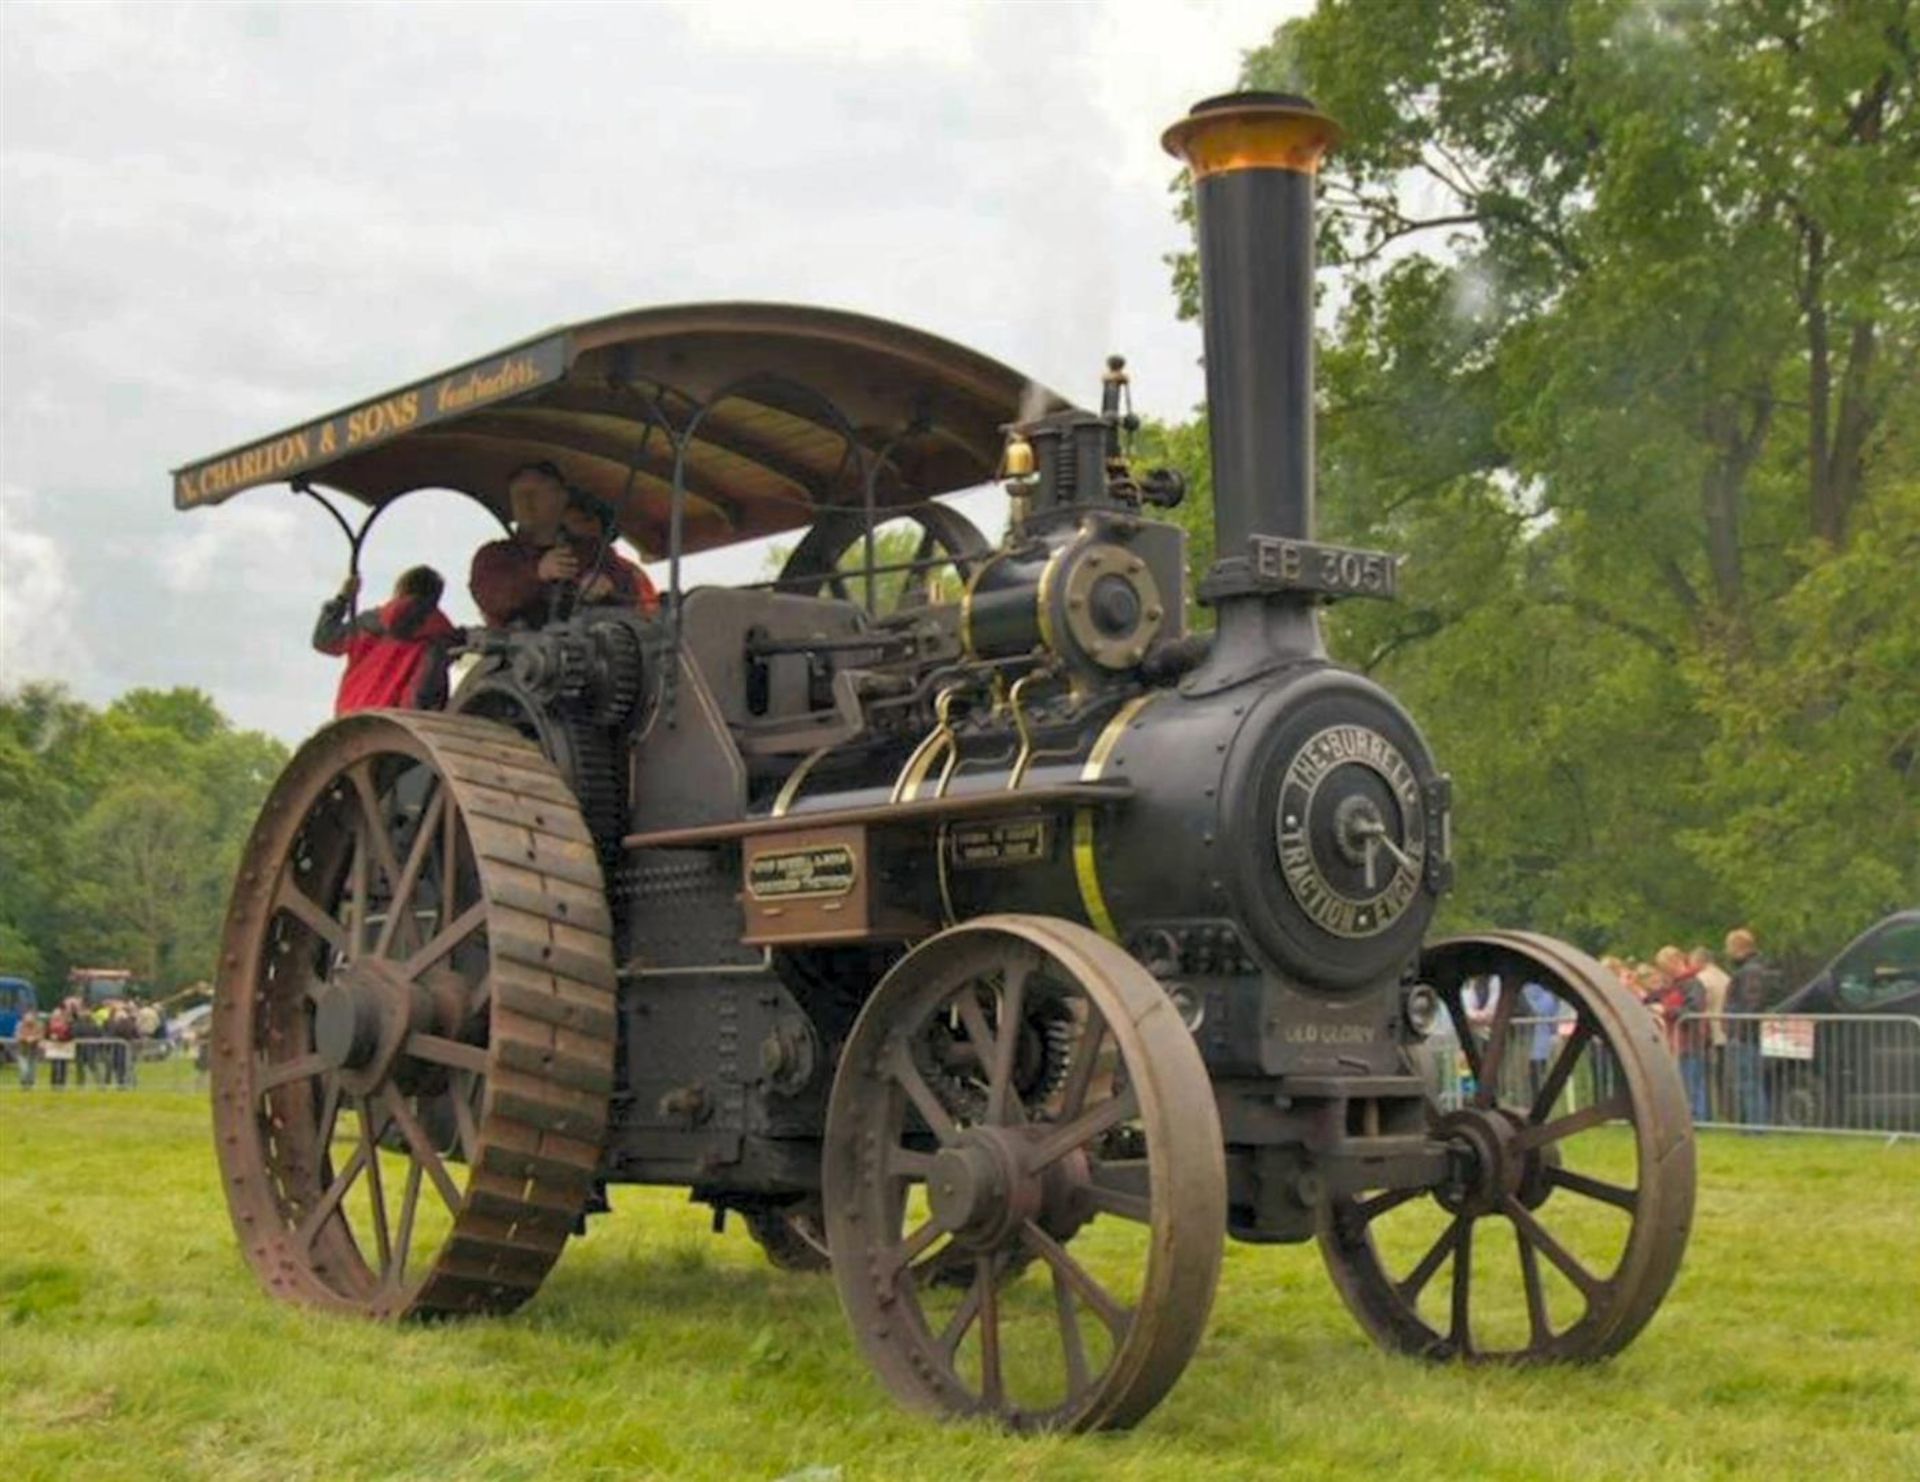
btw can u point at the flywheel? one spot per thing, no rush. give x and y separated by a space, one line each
414 1023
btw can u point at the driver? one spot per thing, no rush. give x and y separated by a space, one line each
511 580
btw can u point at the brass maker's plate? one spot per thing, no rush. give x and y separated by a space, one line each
1000 842
789 874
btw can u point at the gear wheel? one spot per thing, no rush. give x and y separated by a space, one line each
622 665
1039 1068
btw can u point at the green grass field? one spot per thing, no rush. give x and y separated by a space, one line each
134 1343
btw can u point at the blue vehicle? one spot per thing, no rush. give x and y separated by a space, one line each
17 997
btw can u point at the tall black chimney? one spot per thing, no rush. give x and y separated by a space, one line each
1253 157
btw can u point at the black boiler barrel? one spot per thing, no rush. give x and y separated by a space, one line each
1253 157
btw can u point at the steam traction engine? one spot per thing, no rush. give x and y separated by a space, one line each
1004 947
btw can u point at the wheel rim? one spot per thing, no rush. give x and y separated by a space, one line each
1565 1215
934 1157
413 1021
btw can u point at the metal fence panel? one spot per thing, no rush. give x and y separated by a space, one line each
100 1064
1855 1073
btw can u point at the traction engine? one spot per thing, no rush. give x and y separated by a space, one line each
1003 946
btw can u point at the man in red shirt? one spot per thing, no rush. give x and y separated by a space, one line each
513 580
397 655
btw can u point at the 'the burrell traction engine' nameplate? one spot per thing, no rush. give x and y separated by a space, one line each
790 874
999 842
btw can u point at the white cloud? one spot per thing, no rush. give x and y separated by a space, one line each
217 220
39 600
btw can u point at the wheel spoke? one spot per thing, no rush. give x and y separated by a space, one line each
1542 1239
1613 1108
463 1119
299 1068
992 1383
1369 1210
1003 1102
1617 1195
915 1245
909 1163
1536 1294
1460 1329
1121 1189
1486 1082
307 911
400 907
1562 1071
329 1113
449 860
376 1191
357 902
1463 1029
1105 1306
422 1148
955 1331
444 941
980 1040
377 833
1073 1345
316 1218
409 1207
1417 1279
938 1119
1104 1116
455 1053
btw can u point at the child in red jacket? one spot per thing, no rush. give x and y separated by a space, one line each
397 655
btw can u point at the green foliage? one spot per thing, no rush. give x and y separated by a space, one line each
1625 358
119 830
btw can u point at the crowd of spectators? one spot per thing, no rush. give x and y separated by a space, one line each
1706 1014
101 1043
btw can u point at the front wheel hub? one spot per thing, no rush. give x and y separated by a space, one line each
977 1190
1488 1164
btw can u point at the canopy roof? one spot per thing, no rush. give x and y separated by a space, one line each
778 411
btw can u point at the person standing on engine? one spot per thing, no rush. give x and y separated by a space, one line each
396 656
514 580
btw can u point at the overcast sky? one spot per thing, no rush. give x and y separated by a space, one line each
216 220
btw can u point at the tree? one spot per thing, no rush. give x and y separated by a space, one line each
1624 358
120 829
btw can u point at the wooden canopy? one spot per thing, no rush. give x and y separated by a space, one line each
766 414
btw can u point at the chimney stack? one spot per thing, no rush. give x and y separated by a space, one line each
1253 157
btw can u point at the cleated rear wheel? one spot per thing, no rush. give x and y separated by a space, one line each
414 1025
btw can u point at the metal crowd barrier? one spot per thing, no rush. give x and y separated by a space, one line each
1846 1073
99 1064
1857 1073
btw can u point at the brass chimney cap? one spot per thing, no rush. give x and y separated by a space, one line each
1252 131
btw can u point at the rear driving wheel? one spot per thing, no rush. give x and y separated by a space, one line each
413 1021
1108 1178
1569 1199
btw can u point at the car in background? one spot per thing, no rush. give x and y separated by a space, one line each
17 997
1864 1069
